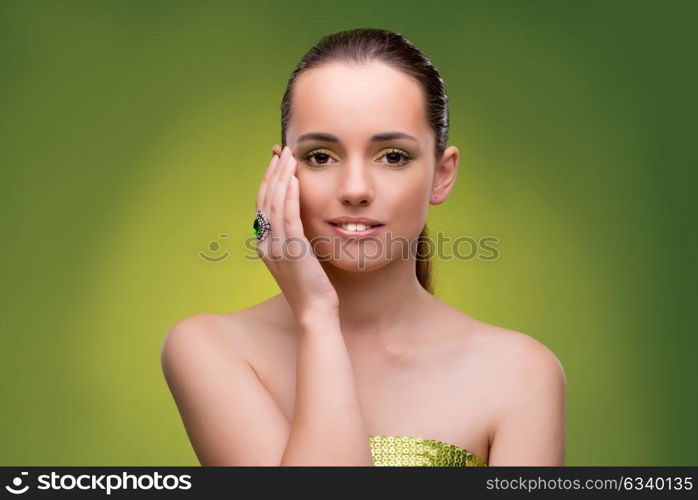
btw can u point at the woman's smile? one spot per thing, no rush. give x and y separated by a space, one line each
349 230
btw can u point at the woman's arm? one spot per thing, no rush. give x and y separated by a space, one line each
228 414
531 424
328 426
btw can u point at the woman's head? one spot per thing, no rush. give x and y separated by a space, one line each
352 89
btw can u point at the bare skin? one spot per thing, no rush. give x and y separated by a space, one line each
420 367
437 386
459 380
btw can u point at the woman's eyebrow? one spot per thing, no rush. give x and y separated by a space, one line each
385 136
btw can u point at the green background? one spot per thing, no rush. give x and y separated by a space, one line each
134 133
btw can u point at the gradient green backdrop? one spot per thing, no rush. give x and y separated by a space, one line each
135 133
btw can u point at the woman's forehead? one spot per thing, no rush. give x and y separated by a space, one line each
358 97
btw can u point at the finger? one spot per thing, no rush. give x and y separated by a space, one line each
278 202
263 247
297 243
292 212
264 185
285 173
274 179
275 204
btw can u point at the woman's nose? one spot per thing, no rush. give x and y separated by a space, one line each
355 184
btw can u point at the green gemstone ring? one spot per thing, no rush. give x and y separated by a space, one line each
261 226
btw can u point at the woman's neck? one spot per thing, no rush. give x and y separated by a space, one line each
375 302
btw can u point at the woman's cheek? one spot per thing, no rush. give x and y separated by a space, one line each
412 202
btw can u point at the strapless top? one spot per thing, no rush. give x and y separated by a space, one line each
415 451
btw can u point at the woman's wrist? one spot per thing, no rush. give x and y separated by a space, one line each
318 318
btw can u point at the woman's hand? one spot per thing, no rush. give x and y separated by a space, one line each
285 250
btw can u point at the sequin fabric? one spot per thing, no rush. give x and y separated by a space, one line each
413 451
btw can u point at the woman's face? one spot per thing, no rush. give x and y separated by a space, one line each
351 173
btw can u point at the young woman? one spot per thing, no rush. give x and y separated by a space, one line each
356 362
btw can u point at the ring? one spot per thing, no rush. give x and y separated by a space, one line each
261 226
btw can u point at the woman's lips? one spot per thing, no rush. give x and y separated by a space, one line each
356 234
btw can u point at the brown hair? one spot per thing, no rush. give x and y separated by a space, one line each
367 44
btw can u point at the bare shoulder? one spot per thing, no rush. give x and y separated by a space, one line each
525 385
507 359
236 332
198 327
513 354
513 351
518 366
189 341
503 348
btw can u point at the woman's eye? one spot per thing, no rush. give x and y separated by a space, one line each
397 157
321 158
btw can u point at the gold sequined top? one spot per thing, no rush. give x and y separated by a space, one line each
415 451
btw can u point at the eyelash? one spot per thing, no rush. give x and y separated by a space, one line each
407 157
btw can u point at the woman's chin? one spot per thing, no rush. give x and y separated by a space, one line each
355 264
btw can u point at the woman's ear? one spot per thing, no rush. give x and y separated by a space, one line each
444 175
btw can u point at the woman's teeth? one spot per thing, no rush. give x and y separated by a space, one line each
355 227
